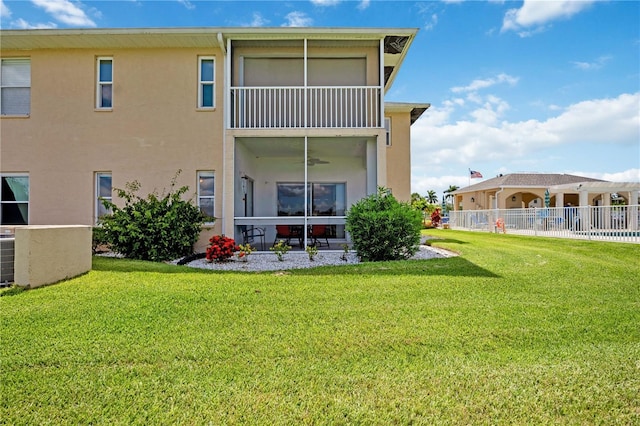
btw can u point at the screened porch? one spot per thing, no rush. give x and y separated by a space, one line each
299 189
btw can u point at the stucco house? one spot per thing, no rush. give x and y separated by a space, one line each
527 190
270 126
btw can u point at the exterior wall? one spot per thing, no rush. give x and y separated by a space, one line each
153 130
398 156
47 254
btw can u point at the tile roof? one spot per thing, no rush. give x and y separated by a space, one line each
530 180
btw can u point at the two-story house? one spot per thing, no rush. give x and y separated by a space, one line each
267 125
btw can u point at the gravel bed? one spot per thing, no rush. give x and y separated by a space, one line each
298 260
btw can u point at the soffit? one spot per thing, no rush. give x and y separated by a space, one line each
415 109
294 147
597 187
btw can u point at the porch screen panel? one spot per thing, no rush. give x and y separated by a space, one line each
273 72
338 97
337 72
273 92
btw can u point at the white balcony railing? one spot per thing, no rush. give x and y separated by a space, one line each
300 107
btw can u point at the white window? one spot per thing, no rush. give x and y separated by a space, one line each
103 192
15 86
104 83
206 85
206 194
387 127
14 199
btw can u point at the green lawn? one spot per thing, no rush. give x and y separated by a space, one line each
516 330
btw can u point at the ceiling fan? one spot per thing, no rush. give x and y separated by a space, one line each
312 161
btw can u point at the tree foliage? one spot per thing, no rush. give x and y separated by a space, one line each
382 228
157 227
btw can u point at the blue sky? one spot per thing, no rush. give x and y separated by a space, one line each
533 86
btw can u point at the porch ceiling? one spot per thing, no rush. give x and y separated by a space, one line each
294 147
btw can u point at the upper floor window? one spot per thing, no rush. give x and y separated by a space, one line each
15 86
103 192
14 199
206 194
206 82
104 83
387 128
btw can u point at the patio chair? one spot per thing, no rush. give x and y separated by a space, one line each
250 235
287 233
318 232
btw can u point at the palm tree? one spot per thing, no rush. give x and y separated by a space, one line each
449 194
451 189
432 197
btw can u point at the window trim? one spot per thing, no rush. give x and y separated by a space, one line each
4 86
207 173
202 83
27 202
97 197
100 84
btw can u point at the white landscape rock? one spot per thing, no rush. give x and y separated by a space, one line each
298 260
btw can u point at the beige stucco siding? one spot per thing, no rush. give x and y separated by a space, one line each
399 156
154 128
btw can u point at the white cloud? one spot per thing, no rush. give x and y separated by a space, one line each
631 175
24 25
364 4
426 9
257 21
431 23
595 65
439 143
325 2
187 4
483 84
4 10
537 14
65 12
297 19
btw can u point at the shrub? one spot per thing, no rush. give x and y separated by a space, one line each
154 228
382 228
221 248
280 249
99 241
312 251
244 250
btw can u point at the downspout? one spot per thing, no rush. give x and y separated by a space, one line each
225 111
306 146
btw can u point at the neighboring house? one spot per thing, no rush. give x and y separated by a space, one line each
527 190
268 125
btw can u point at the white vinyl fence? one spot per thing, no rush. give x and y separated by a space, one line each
606 223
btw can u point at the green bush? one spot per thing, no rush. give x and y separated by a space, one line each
382 228
99 240
153 228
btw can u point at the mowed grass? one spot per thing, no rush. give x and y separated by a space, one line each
516 330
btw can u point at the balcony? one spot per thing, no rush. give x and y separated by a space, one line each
353 107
